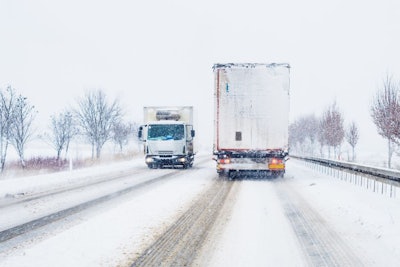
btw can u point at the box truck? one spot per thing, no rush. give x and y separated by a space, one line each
251 118
167 135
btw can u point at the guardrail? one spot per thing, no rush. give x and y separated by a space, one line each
385 181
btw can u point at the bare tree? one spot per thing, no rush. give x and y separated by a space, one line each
303 134
352 137
121 133
7 106
296 137
24 115
385 112
310 126
96 118
321 137
332 128
62 131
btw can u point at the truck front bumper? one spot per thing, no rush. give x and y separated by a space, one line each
160 161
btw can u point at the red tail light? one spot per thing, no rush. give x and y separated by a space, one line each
224 161
276 161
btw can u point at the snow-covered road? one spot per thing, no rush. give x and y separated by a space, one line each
305 219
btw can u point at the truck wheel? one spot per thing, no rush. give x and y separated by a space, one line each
228 175
223 174
278 174
152 166
232 175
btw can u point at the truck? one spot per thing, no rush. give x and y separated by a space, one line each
251 118
168 135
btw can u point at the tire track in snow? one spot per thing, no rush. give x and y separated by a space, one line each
321 245
56 216
108 177
179 244
46 219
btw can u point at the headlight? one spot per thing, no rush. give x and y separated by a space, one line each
182 160
149 160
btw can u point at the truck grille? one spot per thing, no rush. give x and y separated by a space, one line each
165 152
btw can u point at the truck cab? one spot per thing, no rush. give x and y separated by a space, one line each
168 140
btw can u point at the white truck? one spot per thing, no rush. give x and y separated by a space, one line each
251 118
167 136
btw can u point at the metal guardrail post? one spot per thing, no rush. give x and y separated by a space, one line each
381 178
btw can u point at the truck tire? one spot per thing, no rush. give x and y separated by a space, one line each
152 166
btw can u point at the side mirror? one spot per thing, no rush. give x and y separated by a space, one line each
140 133
192 133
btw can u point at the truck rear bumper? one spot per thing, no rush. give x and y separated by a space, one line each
237 171
251 163
246 167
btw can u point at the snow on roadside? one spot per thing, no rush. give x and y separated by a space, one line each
25 185
367 220
112 236
257 232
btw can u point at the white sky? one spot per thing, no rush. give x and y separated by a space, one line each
161 52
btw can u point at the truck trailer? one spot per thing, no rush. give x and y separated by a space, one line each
251 118
167 136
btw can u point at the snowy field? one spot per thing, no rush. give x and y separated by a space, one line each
253 229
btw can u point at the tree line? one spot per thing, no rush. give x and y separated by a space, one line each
95 119
327 133
311 135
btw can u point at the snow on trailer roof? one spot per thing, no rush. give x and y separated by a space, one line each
166 122
249 65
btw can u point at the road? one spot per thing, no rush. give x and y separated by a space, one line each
131 216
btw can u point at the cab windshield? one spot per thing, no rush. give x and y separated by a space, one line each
166 132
